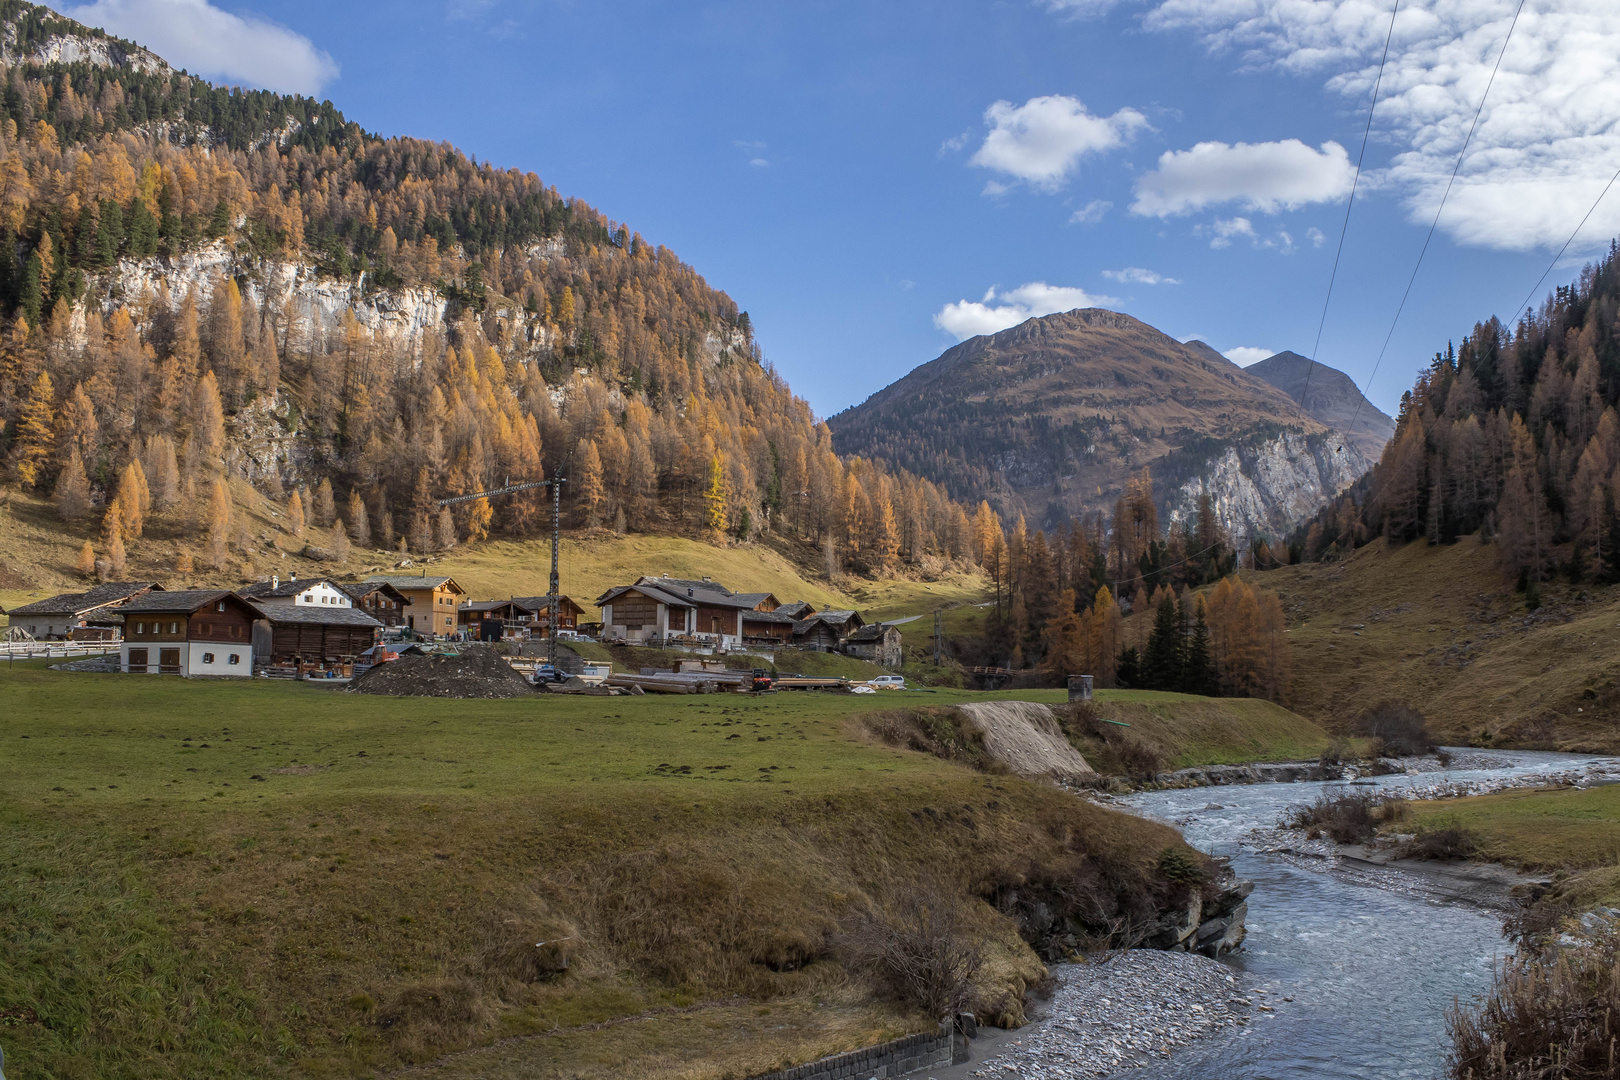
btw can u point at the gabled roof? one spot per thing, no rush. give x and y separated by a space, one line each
766 616
874 632
798 609
313 614
680 585
538 604
655 592
260 590
834 621
413 581
184 601
111 592
359 590
495 605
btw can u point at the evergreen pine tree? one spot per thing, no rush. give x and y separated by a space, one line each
1161 663
1128 673
1198 673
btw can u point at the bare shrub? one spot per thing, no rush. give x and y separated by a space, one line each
1337 752
1396 728
1109 748
1549 1017
1345 819
1450 842
1536 921
917 948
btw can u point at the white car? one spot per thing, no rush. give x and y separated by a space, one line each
887 682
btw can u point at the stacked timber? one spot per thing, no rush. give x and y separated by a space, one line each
684 682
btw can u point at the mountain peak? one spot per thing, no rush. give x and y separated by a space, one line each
1051 417
1330 397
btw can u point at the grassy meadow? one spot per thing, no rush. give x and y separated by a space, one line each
276 879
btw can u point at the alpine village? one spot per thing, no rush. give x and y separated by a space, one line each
436 640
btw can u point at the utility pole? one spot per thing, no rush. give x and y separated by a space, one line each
938 636
553 595
553 598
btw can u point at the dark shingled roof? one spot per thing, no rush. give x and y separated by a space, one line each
111 592
873 632
359 590
261 589
187 600
411 581
316 615
766 616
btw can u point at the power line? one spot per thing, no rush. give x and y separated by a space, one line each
1534 288
1310 368
1455 169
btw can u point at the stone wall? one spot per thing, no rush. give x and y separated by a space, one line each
886 1060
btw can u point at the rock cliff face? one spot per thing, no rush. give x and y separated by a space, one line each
1266 487
1050 418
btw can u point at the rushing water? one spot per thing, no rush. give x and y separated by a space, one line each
1371 972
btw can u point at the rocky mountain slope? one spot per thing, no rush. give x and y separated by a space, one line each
224 287
1330 397
1050 418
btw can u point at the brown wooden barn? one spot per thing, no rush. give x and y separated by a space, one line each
313 639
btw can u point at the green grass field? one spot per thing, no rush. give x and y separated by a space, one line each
1190 730
275 879
1535 829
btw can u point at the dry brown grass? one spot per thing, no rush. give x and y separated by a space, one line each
1439 626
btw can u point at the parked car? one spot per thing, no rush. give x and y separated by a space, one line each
887 682
546 673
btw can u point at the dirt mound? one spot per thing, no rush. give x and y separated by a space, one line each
1025 736
478 672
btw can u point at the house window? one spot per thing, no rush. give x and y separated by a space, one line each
236 658
208 658
220 606
174 628
140 628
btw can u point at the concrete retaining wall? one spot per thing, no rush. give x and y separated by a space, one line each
889 1059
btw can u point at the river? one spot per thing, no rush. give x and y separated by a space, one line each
1370 971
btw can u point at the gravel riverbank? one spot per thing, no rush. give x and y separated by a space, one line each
1137 1007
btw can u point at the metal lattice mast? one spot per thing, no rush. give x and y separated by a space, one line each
553 598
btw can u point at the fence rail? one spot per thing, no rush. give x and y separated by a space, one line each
52 650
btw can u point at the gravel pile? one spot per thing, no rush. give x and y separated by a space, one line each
477 672
1133 1009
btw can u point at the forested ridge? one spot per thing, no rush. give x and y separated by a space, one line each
557 337
1511 434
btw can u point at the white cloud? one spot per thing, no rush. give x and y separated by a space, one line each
993 190
954 143
1547 141
195 35
1091 213
759 163
1266 177
1136 275
1081 8
1244 355
1000 310
1224 230
1315 236
1042 140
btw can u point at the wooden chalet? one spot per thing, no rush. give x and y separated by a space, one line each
311 639
826 631
378 599
188 632
657 609
433 601
309 592
568 614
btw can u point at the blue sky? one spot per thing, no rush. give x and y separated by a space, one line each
874 181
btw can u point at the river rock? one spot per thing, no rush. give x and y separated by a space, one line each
1175 928
1228 900
1217 937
